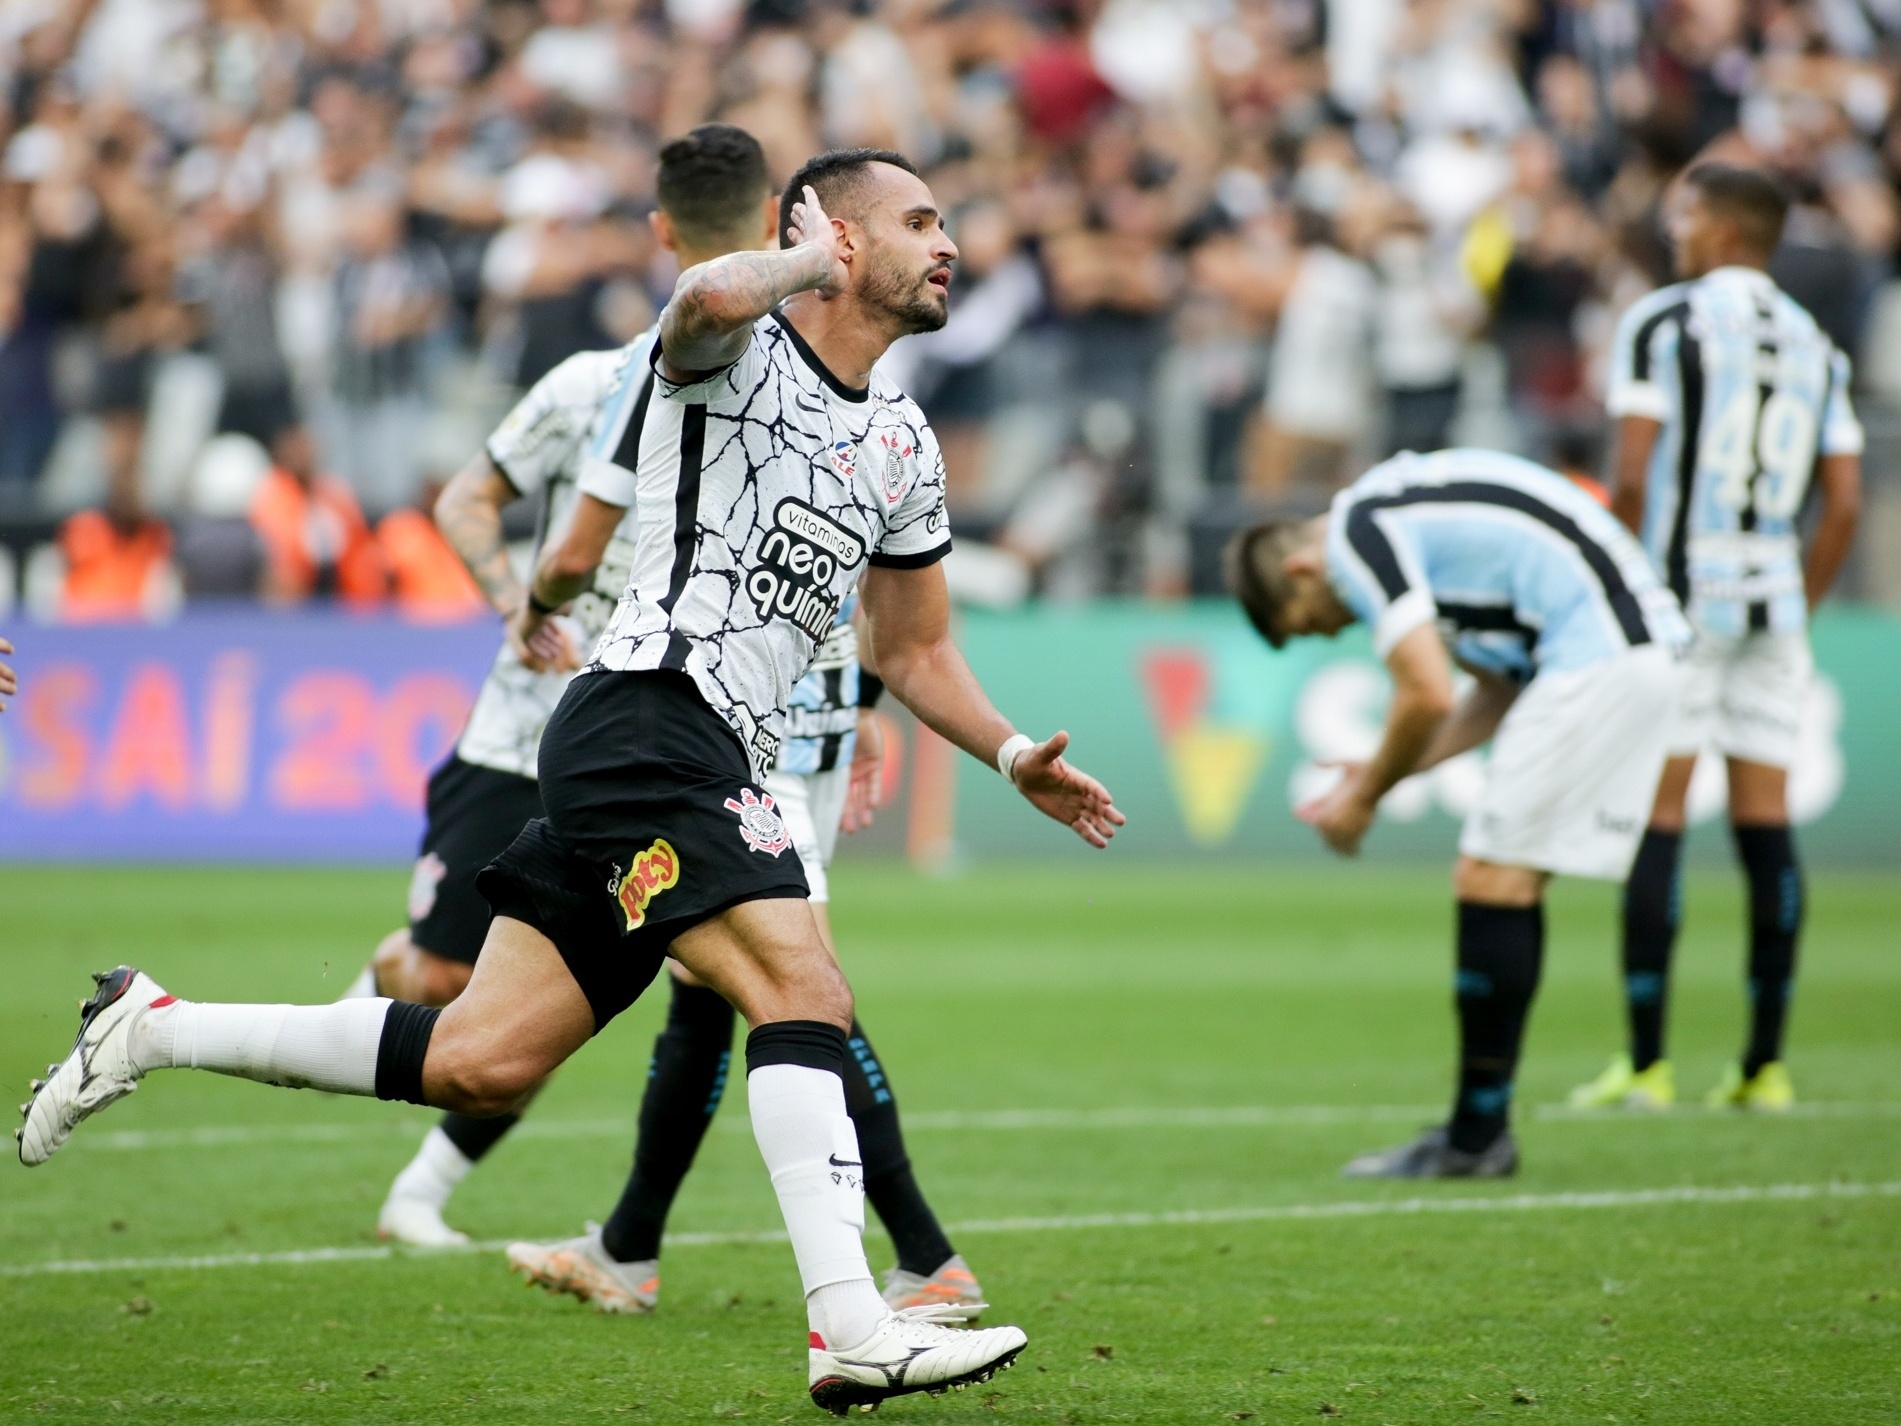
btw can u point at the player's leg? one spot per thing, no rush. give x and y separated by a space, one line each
768 959
616 1267
475 814
1573 773
1642 1077
515 1023
1765 845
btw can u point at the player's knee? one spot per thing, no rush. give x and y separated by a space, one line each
472 1078
1492 884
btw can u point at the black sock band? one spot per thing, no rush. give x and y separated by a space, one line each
811 1043
1775 923
1501 952
889 1182
475 1137
401 1051
1653 909
685 1083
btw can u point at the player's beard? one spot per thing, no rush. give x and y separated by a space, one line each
907 296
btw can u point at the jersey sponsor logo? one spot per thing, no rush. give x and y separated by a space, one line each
897 468
760 827
844 459
799 558
424 882
653 871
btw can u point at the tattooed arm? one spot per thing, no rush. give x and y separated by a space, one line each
469 514
709 321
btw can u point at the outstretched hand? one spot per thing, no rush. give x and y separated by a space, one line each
9 683
811 225
1067 794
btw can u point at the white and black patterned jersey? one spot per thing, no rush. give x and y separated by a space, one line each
1749 391
762 492
560 439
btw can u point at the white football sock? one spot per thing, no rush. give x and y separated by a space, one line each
811 1151
329 1047
435 1171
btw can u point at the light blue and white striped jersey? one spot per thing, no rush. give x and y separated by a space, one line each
1522 570
821 722
1750 392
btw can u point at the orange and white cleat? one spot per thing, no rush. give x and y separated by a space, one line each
581 1268
953 1287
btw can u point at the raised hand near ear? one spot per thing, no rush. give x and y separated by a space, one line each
811 225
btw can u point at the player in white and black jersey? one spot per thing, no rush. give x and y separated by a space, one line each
785 476
1732 408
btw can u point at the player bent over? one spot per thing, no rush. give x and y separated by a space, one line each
564 445
1730 402
1523 580
774 467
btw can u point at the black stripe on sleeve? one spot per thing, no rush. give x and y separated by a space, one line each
1488 619
686 527
923 559
1625 607
1369 542
1640 356
627 453
1676 563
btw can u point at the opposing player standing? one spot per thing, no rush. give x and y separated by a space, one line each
1730 402
1574 645
657 838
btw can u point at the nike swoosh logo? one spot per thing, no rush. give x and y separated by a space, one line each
838 1163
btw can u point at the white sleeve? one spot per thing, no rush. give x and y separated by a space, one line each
1841 430
1632 389
917 533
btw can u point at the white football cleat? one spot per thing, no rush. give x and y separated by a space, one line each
98 1071
919 1349
416 1222
581 1267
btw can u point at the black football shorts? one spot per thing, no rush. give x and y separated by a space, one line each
652 824
474 812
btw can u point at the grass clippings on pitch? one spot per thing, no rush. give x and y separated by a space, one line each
1136 1090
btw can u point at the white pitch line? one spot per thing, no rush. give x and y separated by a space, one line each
1242 1116
1349 1208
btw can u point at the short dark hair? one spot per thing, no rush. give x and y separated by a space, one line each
1751 199
712 180
833 175
1256 560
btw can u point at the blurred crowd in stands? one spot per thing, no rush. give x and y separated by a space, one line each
269 269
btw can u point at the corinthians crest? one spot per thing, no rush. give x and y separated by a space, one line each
762 828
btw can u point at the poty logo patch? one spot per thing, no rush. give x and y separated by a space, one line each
845 458
761 828
424 882
653 871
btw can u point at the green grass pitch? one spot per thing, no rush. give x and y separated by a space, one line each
1201 1047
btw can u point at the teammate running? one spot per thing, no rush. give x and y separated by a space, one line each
776 472
1573 643
1729 401
558 446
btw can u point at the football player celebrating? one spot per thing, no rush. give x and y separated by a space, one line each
776 473
1729 401
1573 644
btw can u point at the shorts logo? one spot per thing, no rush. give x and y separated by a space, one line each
800 559
844 458
653 871
761 828
423 884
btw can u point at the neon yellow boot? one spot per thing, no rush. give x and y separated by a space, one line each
1769 1090
1621 1087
